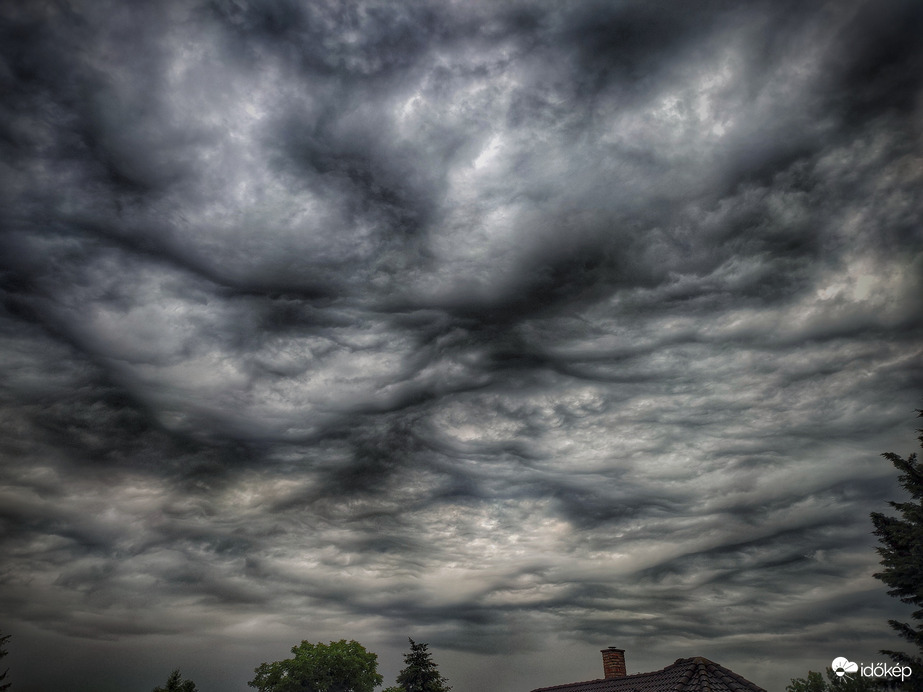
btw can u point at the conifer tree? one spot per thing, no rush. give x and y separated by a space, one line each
175 683
420 672
3 652
901 553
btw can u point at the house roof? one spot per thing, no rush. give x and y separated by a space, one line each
685 675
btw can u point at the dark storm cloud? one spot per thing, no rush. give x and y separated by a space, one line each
509 326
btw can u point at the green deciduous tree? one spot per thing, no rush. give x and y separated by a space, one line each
343 666
813 683
420 672
901 553
3 652
175 683
848 683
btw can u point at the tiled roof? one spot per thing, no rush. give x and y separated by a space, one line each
685 675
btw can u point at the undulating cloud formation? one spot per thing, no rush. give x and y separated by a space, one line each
520 328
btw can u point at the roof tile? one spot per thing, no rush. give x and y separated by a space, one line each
685 675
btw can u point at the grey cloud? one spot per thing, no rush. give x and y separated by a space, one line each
516 328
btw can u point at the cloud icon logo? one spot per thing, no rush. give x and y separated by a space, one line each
841 666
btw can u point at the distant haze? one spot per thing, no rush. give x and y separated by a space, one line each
519 328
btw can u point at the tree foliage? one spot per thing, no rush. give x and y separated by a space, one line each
4 638
343 666
901 553
420 673
175 683
815 682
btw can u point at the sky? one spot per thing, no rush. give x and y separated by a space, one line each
523 329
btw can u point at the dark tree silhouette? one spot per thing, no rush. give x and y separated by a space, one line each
420 672
175 683
815 682
4 638
901 553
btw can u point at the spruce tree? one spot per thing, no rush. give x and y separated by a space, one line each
3 652
175 683
901 553
420 673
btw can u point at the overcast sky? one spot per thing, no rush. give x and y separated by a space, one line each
519 328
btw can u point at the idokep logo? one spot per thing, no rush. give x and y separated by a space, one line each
841 666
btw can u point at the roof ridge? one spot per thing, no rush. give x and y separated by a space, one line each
709 669
566 685
697 673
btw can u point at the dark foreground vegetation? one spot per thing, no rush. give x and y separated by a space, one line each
901 551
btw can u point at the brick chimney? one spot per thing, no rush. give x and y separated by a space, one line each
614 662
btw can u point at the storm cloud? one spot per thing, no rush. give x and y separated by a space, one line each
520 328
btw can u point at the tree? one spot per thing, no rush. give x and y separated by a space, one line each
420 673
175 683
848 683
4 638
813 683
902 557
343 666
